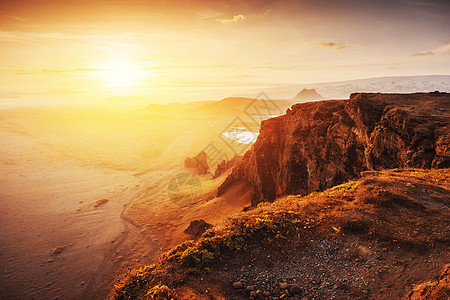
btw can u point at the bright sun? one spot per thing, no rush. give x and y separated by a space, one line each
120 74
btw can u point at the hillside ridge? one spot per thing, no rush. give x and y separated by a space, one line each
384 236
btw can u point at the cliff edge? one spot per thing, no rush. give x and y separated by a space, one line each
318 145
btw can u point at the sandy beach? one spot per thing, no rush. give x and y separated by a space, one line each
49 202
83 197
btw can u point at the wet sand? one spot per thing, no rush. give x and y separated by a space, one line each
49 202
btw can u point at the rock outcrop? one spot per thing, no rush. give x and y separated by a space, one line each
318 145
224 166
198 163
197 228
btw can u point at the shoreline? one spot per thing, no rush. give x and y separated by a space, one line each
53 205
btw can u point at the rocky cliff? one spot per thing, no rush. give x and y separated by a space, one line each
318 145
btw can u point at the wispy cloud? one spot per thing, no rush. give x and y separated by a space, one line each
64 70
423 53
27 36
336 45
438 50
15 18
234 19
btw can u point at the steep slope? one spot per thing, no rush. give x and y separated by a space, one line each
318 145
385 236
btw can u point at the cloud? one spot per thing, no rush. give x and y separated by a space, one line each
17 18
65 70
234 19
438 50
423 53
12 17
336 45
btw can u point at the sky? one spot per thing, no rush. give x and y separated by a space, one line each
85 51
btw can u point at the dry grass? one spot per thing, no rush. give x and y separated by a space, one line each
403 210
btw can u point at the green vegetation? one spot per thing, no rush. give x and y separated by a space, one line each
137 280
342 189
271 225
265 228
386 210
160 292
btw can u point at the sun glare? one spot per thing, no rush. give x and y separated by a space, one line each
120 74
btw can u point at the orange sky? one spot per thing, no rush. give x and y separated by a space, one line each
185 50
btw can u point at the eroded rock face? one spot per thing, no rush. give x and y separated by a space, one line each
318 145
198 163
224 166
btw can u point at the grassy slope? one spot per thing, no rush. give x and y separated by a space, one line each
384 236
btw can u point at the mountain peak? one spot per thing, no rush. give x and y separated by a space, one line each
308 95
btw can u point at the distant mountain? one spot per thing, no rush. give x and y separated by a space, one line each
226 106
126 101
343 89
308 95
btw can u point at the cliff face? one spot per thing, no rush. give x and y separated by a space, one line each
318 145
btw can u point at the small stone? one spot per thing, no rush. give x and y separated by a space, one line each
100 202
368 266
295 289
83 283
283 296
238 285
304 298
266 293
283 285
250 288
58 250
252 294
